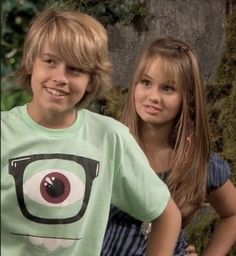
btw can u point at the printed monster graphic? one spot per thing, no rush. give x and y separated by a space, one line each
53 189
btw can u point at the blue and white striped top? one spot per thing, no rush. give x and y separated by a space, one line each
124 236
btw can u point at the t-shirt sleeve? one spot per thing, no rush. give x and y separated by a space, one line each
218 173
137 189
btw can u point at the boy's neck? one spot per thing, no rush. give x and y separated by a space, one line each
53 120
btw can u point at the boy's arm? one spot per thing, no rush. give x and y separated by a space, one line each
165 232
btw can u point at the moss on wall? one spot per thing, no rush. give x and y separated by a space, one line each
222 99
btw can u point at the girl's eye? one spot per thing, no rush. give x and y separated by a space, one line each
168 88
145 82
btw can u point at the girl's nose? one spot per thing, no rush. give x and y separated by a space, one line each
155 96
59 75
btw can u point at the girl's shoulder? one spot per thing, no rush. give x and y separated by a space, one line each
218 172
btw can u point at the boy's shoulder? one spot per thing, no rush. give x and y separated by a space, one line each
102 119
106 123
11 113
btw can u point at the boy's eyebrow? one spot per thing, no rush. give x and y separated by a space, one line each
48 54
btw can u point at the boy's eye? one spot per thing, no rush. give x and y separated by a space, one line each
76 70
50 61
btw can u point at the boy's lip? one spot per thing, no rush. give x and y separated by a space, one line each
55 91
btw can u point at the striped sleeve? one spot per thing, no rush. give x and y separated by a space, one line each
218 173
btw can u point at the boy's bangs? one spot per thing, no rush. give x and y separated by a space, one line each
69 48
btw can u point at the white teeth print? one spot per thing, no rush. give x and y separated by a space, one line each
51 244
36 240
66 243
56 92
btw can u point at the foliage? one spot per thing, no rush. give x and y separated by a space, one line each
114 102
201 225
226 71
200 230
108 12
111 103
15 18
222 99
18 97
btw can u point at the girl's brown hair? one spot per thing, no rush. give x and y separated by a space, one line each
79 39
190 137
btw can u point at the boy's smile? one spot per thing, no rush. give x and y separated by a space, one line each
56 92
57 88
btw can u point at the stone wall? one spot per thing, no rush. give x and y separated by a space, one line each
197 22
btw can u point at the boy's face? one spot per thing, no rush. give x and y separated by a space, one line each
56 87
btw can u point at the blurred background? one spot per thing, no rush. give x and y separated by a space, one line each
208 26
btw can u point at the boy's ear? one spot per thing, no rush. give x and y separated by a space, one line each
89 87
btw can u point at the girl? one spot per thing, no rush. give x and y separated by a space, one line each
166 113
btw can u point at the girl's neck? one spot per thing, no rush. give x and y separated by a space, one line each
155 136
155 143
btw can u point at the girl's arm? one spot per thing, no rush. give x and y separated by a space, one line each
165 232
223 200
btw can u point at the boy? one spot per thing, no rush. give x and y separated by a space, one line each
62 166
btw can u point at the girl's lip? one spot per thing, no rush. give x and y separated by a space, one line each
152 109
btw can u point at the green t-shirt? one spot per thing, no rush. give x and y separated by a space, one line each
57 184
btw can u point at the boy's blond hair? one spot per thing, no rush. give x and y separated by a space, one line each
79 39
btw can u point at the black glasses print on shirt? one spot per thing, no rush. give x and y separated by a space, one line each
47 192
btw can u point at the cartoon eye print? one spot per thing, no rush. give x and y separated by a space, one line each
40 182
54 188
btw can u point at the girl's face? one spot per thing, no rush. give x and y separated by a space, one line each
157 100
56 87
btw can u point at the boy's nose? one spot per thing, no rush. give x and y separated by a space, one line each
59 75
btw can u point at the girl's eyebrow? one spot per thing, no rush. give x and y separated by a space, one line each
147 76
171 82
